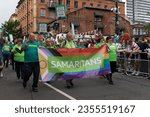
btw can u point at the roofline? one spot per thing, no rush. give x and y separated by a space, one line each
19 3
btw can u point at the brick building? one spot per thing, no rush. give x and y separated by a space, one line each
34 15
88 19
13 17
72 5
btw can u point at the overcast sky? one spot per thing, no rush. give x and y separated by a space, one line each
7 7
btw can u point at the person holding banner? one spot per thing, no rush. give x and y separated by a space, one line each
99 41
69 43
112 58
31 62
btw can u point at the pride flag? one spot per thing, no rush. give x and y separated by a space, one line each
73 63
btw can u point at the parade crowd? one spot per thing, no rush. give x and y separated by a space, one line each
22 54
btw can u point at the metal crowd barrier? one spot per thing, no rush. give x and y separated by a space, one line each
127 65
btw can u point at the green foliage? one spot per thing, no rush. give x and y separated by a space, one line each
147 28
11 27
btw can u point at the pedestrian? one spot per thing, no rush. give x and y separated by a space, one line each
99 41
69 43
1 56
31 62
12 44
19 59
6 53
112 58
133 49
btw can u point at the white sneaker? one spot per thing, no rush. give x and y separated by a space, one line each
134 72
1 74
137 73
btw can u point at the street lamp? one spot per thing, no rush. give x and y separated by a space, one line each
27 16
117 17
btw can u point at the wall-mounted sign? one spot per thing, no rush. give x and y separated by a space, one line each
61 11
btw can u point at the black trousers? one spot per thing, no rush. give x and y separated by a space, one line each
32 67
6 58
12 61
19 68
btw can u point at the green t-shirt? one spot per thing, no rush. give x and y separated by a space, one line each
31 51
112 52
7 47
98 45
18 56
70 44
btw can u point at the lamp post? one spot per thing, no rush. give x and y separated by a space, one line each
27 16
117 17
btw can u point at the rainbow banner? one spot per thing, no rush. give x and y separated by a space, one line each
74 63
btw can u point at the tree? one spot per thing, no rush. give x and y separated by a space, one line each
12 27
147 28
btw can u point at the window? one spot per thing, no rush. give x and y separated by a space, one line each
42 1
68 3
42 27
105 6
42 13
76 4
83 4
59 1
98 19
91 4
52 14
98 5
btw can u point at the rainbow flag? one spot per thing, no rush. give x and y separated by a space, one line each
73 63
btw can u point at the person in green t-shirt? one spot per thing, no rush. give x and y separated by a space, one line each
1 56
31 62
112 58
6 52
12 44
69 43
19 59
99 42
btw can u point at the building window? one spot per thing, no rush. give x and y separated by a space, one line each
42 27
52 14
42 13
42 1
68 3
105 6
98 19
91 4
59 1
83 4
76 4
98 5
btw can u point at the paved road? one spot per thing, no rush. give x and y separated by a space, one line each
125 88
